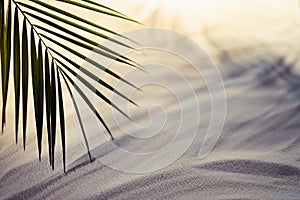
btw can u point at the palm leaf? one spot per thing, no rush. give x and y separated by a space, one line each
74 24
87 59
85 39
98 10
49 66
48 104
36 69
93 89
79 118
1 16
62 118
16 70
103 6
85 46
5 58
60 11
88 102
53 113
90 75
24 78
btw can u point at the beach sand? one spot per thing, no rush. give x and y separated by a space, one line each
257 154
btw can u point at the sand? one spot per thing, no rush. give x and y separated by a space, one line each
256 156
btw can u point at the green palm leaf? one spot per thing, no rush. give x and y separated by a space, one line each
79 118
93 62
5 58
49 66
53 113
24 78
88 102
56 17
61 117
48 105
16 70
102 6
98 10
60 11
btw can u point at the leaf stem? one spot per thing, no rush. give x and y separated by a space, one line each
34 29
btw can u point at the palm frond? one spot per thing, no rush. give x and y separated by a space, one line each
103 6
98 10
5 59
25 65
62 118
16 70
31 50
79 118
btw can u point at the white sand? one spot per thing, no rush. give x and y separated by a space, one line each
257 155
